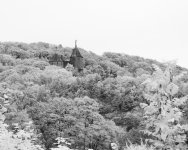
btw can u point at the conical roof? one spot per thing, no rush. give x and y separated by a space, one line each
76 52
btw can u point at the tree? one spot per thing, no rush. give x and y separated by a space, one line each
78 120
162 112
6 60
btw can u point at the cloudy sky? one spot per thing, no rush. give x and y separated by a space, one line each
155 29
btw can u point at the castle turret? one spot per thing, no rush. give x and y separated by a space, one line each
76 58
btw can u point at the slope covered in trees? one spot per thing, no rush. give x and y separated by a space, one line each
106 103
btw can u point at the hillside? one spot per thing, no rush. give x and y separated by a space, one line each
105 103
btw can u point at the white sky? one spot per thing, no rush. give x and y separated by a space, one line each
155 29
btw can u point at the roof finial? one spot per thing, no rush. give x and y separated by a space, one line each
75 43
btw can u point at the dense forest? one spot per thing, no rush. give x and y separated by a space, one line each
134 102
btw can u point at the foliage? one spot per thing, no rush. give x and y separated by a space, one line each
22 140
162 113
17 138
76 119
40 64
61 142
6 60
90 109
138 147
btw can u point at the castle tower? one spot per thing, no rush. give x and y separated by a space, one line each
76 58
